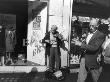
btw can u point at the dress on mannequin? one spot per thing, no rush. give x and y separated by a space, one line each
9 44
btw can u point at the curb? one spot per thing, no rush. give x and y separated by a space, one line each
19 69
27 69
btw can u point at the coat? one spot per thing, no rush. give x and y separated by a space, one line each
93 49
48 46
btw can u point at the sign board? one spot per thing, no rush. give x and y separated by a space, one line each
36 32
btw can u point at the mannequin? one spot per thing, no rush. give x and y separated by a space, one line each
10 43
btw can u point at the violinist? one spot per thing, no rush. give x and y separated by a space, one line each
53 42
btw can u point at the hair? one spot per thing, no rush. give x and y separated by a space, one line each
54 26
94 21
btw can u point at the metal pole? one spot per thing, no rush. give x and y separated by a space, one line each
47 26
69 36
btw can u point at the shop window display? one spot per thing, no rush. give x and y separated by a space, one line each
79 31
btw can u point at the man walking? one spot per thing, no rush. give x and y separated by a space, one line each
92 46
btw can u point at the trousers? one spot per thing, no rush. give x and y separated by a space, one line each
82 75
54 58
105 75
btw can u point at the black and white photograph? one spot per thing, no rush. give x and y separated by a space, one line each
54 40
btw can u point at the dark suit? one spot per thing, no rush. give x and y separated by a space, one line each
89 62
53 52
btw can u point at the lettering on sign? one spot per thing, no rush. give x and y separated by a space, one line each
36 23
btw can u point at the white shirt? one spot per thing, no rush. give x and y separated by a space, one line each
89 37
52 39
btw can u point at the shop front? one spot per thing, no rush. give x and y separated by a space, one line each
64 14
55 13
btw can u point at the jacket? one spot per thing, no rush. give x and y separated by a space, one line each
48 45
93 49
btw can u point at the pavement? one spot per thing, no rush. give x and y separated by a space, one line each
32 77
31 72
37 74
21 69
21 66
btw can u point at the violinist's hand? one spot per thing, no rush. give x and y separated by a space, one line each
56 35
40 41
74 40
47 41
78 43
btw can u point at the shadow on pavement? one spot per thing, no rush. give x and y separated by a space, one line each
32 77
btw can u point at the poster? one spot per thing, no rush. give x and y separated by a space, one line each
36 23
36 32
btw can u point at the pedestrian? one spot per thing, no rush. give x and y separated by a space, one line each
92 47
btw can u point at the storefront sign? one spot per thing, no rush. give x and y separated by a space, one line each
36 23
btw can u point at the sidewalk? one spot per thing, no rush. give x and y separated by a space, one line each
26 69
30 72
24 74
21 66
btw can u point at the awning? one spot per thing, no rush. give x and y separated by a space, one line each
34 7
92 8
